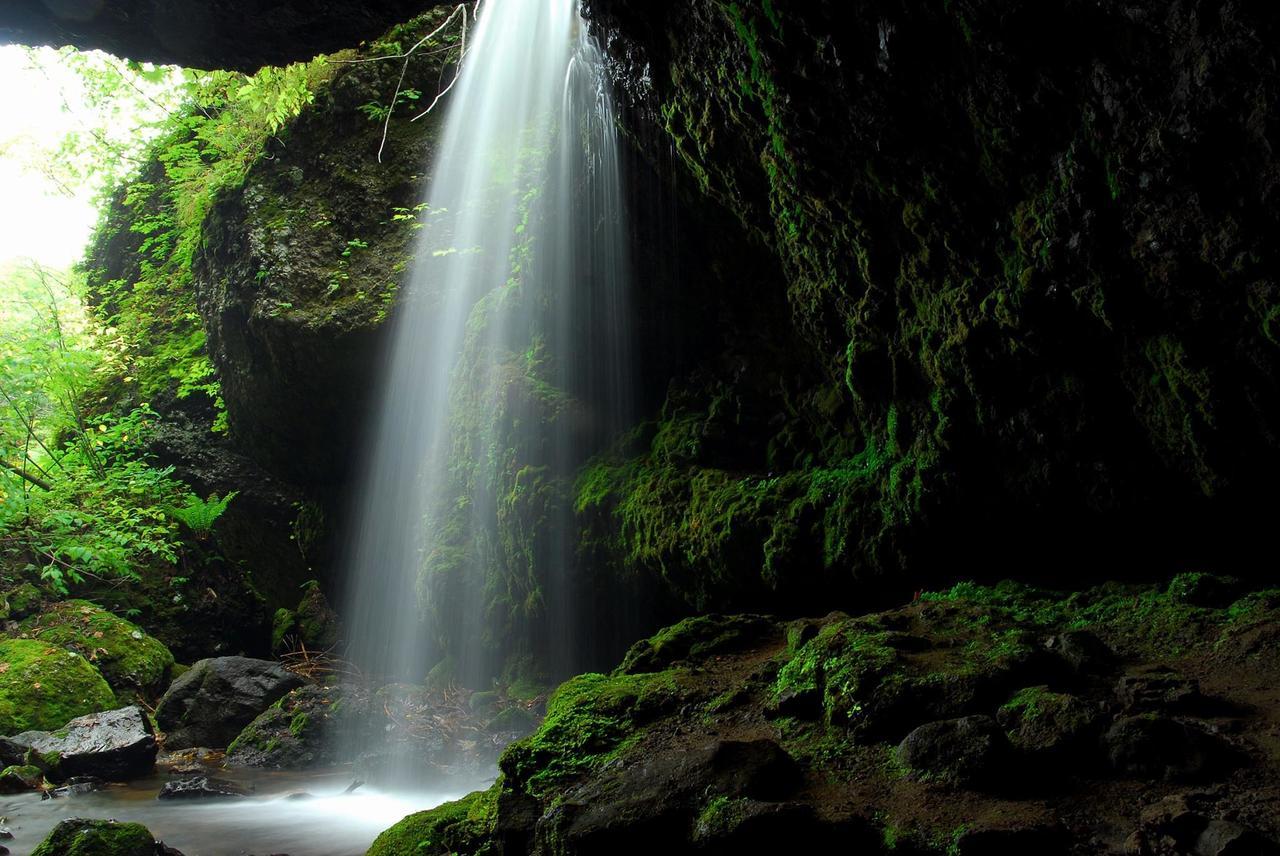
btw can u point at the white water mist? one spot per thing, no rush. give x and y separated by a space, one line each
522 266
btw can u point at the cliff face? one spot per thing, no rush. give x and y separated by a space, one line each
924 290
1025 250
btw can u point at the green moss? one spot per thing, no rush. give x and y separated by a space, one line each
591 719
461 827
97 838
281 624
128 658
693 638
42 687
719 817
844 663
299 723
15 779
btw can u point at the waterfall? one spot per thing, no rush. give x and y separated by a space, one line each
509 362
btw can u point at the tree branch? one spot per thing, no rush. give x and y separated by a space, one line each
22 473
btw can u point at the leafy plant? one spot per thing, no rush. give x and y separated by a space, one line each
199 515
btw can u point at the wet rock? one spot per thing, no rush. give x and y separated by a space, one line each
971 750
199 788
295 733
75 787
1159 747
313 624
115 745
80 837
1158 688
209 705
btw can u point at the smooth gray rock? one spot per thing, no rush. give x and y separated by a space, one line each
218 697
116 745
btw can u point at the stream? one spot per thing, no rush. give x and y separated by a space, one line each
270 821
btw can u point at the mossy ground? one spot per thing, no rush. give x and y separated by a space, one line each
129 659
43 686
870 679
462 826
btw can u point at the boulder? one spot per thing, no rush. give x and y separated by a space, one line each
209 705
1081 653
129 659
14 780
296 733
970 750
714 789
116 745
200 788
1157 688
1159 747
42 686
1040 722
81 837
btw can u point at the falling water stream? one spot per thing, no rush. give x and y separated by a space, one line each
520 283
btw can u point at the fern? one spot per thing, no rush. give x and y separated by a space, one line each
199 515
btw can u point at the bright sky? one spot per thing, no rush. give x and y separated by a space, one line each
37 220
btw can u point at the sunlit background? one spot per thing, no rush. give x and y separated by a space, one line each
52 136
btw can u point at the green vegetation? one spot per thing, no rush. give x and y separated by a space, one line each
43 686
130 660
78 497
591 719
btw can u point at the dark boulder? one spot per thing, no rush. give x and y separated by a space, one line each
1044 723
660 797
115 745
15 780
970 750
1159 747
211 703
1082 653
200 788
1158 688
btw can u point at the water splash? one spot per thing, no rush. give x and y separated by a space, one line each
509 363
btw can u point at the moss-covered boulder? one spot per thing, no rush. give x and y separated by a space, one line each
43 686
300 729
461 826
129 659
23 601
18 778
79 837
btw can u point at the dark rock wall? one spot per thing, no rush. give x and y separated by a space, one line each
1026 256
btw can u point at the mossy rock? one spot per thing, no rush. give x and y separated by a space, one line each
23 601
43 686
79 837
694 638
591 720
128 658
14 780
461 826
